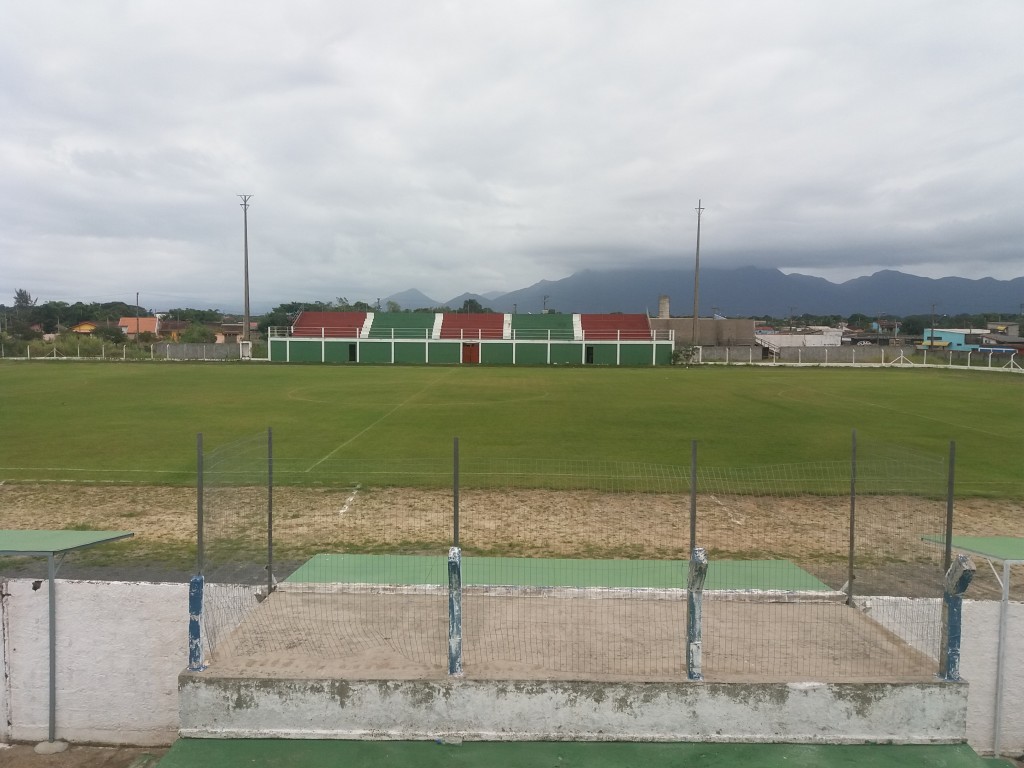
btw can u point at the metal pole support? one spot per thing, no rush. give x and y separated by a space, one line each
195 615
694 600
958 578
455 611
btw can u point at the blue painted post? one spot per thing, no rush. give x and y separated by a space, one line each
958 578
694 600
195 615
455 611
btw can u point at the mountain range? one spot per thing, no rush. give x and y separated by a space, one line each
746 292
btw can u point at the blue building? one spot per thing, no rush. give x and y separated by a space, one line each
960 339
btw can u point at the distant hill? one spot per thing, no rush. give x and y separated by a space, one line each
458 301
413 299
756 291
745 292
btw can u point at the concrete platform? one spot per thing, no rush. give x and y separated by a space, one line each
456 709
553 667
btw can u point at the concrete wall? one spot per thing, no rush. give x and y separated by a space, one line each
815 355
121 647
978 667
856 355
733 355
737 332
978 653
866 355
170 351
545 710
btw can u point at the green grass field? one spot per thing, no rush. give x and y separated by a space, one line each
137 422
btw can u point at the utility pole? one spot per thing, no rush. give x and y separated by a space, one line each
931 331
136 315
696 277
245 313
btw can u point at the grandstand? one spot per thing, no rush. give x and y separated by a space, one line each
614 327
482 325
401 325
471 338
335 325
554 327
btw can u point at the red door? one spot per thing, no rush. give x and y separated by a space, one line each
471 353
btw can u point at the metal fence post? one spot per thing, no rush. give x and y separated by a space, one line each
199 503
850 575
197 583
455 493
693 494
270 511
948 558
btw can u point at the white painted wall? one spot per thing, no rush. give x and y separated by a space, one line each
547 710
978 652
120 648
4 672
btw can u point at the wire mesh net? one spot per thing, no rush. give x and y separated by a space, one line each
800 514
571 569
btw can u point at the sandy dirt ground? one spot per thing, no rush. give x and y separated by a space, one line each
811 531
403 636
79 756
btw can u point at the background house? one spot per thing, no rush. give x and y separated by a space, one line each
133 326
965 339
85 328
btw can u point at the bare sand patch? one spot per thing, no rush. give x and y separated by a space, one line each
811 531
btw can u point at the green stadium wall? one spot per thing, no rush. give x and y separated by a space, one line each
486 352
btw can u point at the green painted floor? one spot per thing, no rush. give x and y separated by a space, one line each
1001 548
553 572
273 753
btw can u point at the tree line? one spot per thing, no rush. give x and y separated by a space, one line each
28 319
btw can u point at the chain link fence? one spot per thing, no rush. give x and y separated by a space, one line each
570 569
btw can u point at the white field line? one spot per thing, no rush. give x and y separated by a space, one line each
354 437
98 471
349 500
366 429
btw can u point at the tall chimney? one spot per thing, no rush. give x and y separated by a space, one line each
663 307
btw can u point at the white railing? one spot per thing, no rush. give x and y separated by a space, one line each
472 334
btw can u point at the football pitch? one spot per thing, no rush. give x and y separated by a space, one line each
138 422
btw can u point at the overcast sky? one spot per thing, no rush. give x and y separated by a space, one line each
484 146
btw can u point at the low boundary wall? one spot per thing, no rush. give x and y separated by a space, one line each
873 355
122 646
487 710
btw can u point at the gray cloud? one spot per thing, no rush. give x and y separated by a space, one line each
480 146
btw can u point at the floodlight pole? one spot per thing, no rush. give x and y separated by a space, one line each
245 314
696 277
